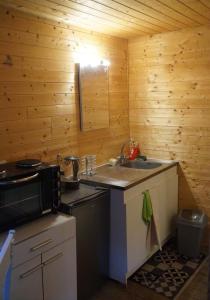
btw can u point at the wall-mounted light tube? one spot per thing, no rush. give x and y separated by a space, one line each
89 57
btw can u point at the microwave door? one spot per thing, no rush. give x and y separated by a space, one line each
20 200
6 183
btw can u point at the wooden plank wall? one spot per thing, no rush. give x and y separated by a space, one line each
39 112
169 98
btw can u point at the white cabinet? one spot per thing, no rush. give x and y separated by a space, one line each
46 270
168 204
129 249
27 281
137 248
58 271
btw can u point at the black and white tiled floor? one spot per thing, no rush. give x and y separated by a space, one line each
166 272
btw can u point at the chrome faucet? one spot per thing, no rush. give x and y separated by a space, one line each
123 159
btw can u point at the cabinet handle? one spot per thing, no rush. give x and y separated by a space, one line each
47 242
52 259
31 271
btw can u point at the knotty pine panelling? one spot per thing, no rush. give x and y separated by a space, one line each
121 18
39 111
169 91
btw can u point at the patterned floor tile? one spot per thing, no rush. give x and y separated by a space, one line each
167 271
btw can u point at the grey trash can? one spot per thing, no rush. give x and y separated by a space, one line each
190 228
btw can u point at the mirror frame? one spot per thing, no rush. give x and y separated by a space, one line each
81 110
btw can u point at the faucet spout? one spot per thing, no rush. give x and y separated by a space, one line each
123 157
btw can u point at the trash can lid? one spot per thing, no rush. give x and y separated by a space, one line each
192 217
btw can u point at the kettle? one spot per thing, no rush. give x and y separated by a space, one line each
73 181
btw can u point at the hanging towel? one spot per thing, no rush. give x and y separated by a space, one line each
147 208
150 218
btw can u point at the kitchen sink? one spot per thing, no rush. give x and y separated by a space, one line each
139 164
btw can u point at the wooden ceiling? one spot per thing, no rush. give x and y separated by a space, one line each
123 18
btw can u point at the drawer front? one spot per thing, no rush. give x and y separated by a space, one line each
43 241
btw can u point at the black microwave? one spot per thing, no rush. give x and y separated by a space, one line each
27 192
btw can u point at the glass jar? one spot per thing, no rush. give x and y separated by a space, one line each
89 164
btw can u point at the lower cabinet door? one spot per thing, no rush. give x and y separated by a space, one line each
172 202
167 205
136 234
59 272
26 281
139 247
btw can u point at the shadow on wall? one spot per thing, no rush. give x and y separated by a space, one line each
186 198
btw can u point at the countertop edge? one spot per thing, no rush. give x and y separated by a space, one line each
150 176
95 182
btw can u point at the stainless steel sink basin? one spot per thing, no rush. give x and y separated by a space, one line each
139 164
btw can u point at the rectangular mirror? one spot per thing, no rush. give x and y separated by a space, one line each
94 97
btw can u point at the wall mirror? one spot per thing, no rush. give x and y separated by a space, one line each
94 97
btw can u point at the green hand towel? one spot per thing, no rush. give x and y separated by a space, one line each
147 208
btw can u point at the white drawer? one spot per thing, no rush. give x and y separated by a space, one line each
42 241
